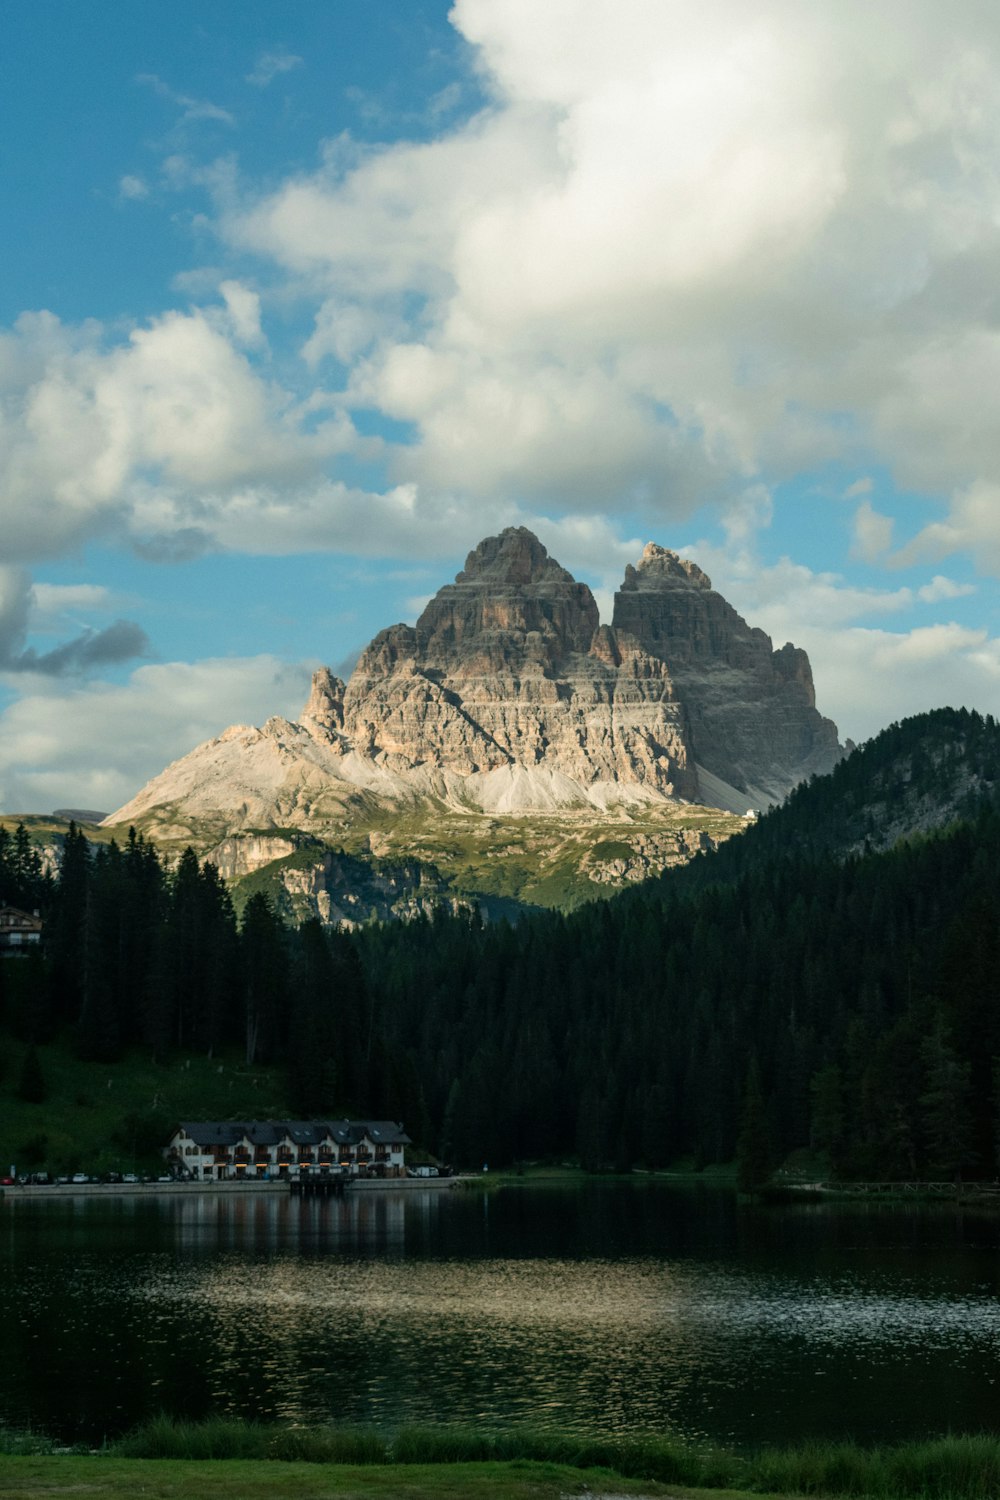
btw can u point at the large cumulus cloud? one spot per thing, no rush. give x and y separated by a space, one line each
683 245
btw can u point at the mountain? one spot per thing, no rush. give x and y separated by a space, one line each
915 779
514 742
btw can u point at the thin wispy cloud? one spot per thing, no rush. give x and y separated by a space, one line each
192 109
270 65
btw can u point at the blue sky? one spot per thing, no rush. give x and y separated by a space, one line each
301 301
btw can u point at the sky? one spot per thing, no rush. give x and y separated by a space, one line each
299 302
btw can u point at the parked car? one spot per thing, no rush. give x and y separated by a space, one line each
111 1177
6 1182
129 1177
40 1179
79 1177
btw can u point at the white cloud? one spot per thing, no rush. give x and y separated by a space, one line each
243 307
872 533
869 678
52 600
941 588
94 437
131 187
270 65
788 599
124 734
750 512
973 526
684 246
23 613
191 109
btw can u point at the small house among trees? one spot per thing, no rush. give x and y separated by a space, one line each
20 931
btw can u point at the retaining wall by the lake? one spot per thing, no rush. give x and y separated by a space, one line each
190 1189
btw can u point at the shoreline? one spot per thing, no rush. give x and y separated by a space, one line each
38 1193
227 1456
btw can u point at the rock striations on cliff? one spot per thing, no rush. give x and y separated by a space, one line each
509 697
751 711
509 670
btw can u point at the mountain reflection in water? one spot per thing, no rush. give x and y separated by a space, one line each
609 1306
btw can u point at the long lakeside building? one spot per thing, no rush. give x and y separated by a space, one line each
228 1150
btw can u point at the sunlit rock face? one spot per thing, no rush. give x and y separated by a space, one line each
751 711
509 696
508 666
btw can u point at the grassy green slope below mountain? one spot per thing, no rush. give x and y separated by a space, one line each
408 854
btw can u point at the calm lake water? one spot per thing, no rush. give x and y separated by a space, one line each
646 1308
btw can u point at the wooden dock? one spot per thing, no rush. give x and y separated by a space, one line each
318 1187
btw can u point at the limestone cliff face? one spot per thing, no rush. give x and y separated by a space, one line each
509 697
323 714
508 666
751 710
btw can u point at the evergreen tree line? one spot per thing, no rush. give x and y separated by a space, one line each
138 956
853 1004
774 996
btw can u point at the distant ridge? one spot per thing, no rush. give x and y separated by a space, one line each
914 779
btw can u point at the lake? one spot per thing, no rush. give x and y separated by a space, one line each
653 1308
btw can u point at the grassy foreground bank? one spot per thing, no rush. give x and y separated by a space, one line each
246 1479
223 1457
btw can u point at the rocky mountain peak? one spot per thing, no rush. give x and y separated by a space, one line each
659 568
508 667
512 605
508 695
751 710
515 557
324 711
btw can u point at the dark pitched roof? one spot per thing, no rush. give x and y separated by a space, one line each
302 1132
381 1132
13 919
213 1132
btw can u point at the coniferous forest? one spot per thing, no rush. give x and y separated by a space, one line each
802 988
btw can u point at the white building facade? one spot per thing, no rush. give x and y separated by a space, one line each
227 1150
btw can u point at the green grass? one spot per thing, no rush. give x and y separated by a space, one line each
93 1112
226 1457
48 830
103 1478
948 1468
228 1438
535 858
541 859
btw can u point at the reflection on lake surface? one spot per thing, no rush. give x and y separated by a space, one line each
609 1306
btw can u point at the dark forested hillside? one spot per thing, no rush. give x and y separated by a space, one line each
915 777
782 993
862 992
